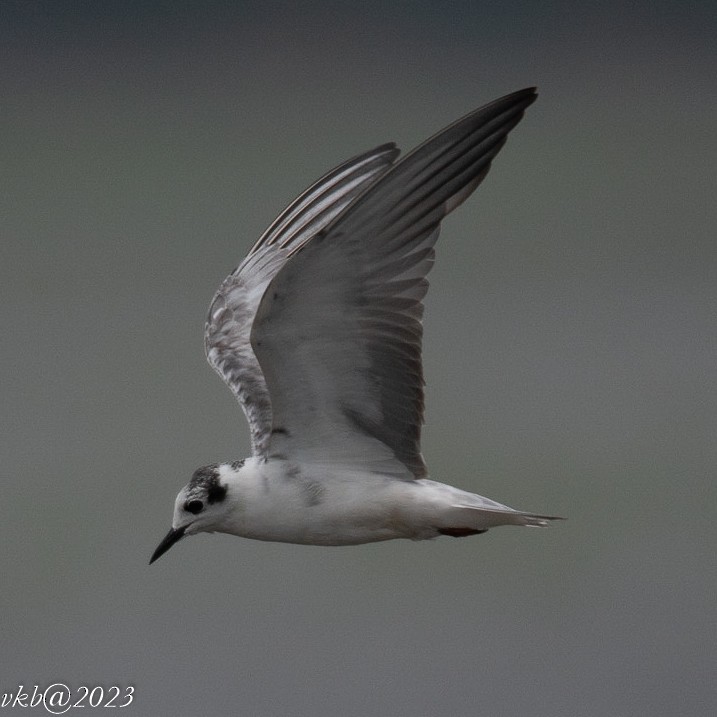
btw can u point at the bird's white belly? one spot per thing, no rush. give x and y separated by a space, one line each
317 509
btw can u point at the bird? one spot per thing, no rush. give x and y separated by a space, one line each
318 334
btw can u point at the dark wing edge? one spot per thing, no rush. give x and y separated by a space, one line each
318 205
438 175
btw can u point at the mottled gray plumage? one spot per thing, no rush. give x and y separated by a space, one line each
235 304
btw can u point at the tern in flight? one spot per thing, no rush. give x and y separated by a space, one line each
318 335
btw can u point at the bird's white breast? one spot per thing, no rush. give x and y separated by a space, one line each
315 504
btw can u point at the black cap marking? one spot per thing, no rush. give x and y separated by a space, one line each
206 480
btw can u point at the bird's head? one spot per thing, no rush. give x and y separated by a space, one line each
201 506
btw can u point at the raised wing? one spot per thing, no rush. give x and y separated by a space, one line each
338 331
233 307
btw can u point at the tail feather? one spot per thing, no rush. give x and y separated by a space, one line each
466 517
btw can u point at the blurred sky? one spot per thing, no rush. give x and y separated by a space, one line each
570 354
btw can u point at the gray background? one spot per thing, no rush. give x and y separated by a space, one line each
570 355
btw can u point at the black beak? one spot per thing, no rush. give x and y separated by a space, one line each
173 536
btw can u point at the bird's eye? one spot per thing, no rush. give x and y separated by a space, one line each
194 506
